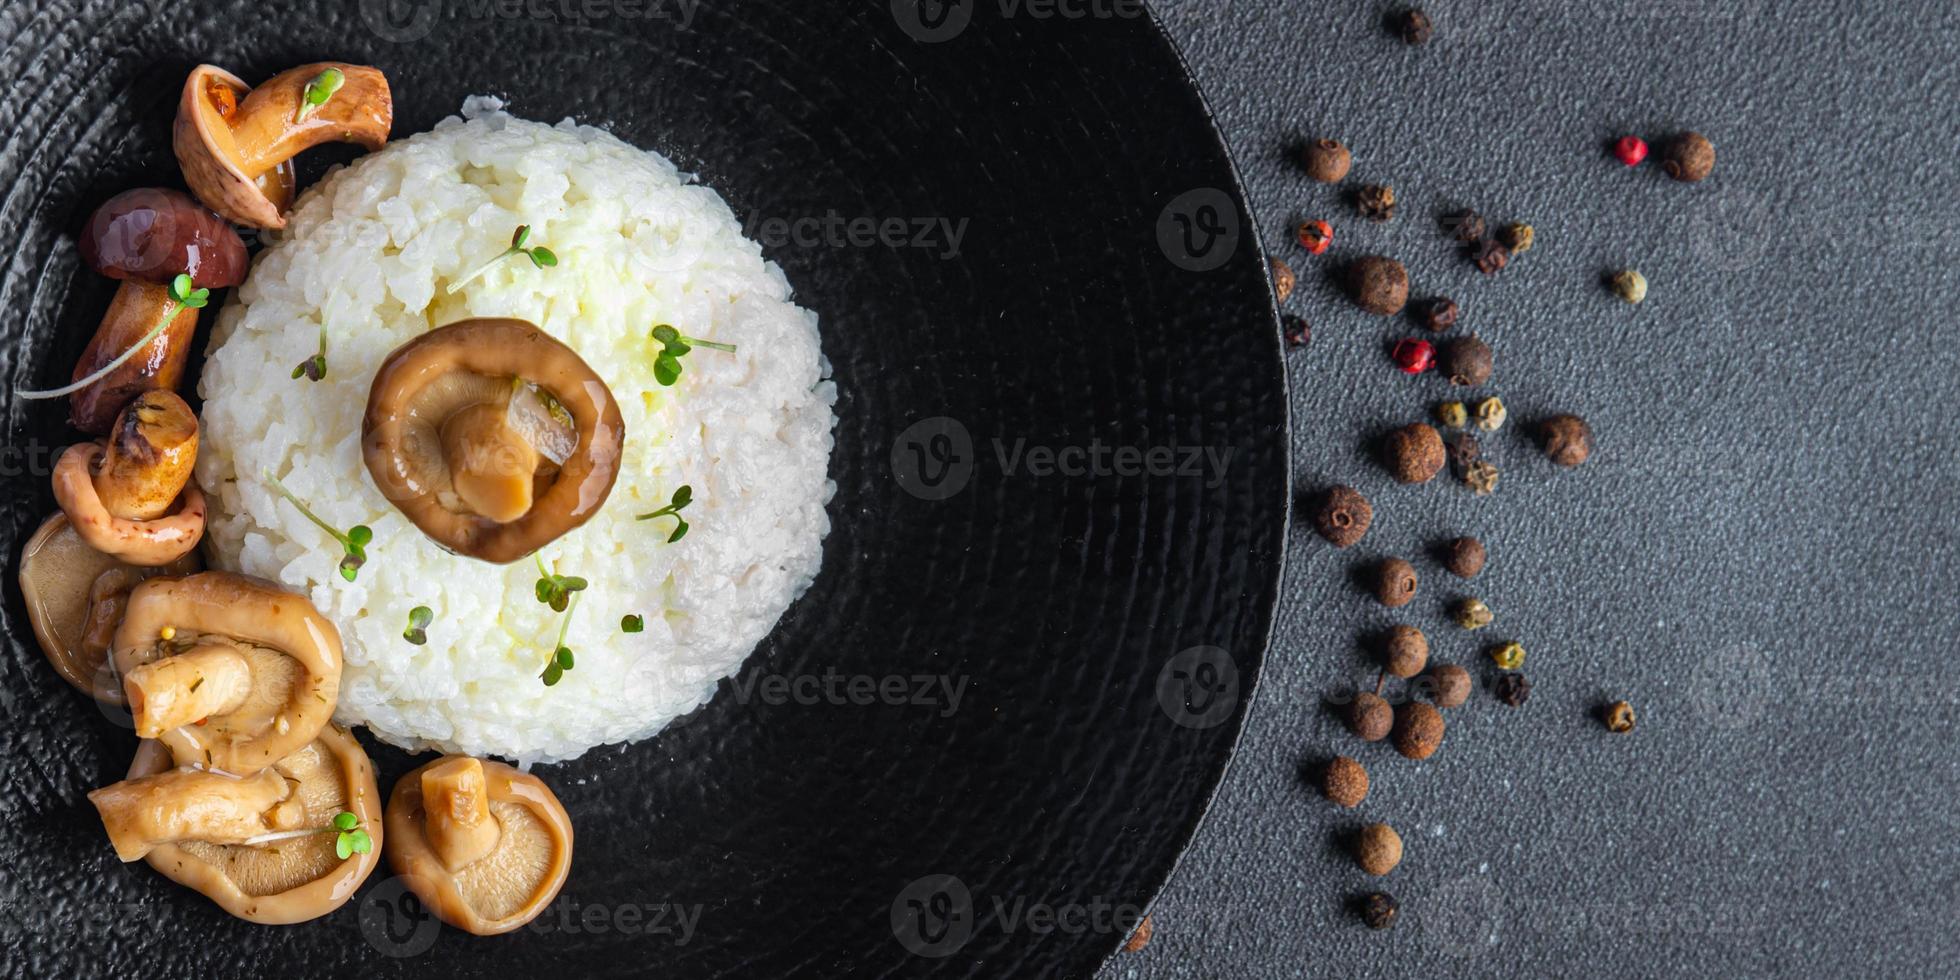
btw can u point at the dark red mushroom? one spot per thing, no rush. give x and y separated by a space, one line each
155 234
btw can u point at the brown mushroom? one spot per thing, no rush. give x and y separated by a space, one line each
261 846
484 846
226 671
130 496
75 597
236 143
449 439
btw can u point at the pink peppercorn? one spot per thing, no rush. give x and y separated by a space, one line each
1414 356
1630 150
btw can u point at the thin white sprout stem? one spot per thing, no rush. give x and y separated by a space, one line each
169 313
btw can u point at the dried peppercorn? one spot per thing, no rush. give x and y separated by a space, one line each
1418 730
1449 686
1517 237
1315 236
1413 356
1369 717
1405 651
1465 226
1395 582
1414 453
1452 415
1140 937
1414 27
1283 280
1466 361
1619 717
1376 202
1481 477
1439 314
1629 285
1567 439
1512 689
1379 909
1490 414
1464 557
1379 284
1491 257
1378 849
1508 656
1342 516
1630 150
1688 158
1462 450
1473 614
1326 160
1298 332
1344 781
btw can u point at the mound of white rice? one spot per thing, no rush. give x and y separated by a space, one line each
369 254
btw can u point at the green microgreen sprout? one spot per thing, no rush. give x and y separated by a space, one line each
673 346
314 368
540 256
682 497
318 91
632 623
350 838
183 296
419 619
556 590
354 542
561 655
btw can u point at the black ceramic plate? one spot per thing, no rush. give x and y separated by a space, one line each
1060 465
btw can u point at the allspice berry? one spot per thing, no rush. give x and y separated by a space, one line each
1688 158
1379 284
1369 717
1379 909
1517 237
1378 849
1439 314
1405 651
1465 361
1376 202
1449 686
1464 557
1567 439
1619 717
1395 582
1414 453
1344 782
1326 160
1283 280
1140 937
1342 516
1418 729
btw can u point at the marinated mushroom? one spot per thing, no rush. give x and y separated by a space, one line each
268 847
131 496
75 597
492 436
236 143
226 671
484 846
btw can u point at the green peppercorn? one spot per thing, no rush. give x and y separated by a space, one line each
1509 656
1517 237
1472 614
1630 285
1452 415
1491 414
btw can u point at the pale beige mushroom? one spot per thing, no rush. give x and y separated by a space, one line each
484 846
131 495
200 828
75 597
261 661
236 143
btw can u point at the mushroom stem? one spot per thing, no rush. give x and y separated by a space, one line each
212 679
491 465
151 450
186 804
459 827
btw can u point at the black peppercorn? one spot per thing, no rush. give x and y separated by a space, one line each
1395 582
1439 314
1465 361
1414 27
1512 689
1298 332
1567 439
1465 226
1464 557
1326 160
1376 202
1688 158
1462 450
1378 910
1342 516
1379 284
1490 256
1405 651
1414 453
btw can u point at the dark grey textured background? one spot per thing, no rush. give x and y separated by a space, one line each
1760 555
